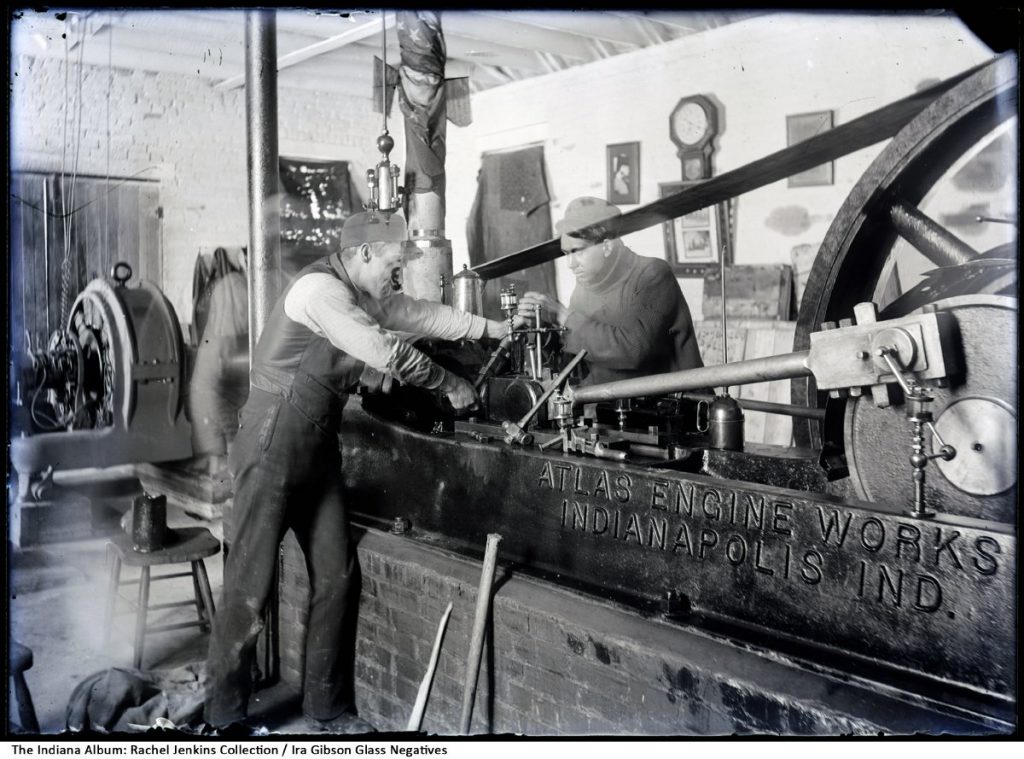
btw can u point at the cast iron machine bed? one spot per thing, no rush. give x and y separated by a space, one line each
881 547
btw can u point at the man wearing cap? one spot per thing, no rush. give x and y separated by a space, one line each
334 319
627 310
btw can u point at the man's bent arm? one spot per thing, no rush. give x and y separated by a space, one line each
400 312
329 308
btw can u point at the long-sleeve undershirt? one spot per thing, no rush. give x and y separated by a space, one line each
365 327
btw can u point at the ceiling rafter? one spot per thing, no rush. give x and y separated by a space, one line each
496 46
494 54
356 33
684 22
647 30
472 25
599 26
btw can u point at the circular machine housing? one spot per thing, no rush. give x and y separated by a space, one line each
132 374
975 414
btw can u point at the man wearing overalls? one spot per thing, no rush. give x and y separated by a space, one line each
333 320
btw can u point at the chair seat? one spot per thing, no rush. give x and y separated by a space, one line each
185 544
21 657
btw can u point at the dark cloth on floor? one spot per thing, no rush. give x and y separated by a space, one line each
633 322
117 700
219 384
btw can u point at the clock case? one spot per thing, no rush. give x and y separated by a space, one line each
695 157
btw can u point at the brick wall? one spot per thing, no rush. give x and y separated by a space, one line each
559 663
176 129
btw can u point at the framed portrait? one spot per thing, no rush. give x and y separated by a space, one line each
801 127
624 173
695 243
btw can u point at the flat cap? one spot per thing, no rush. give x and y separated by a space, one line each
369 226
582 212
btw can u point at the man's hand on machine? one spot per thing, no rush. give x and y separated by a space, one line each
458 391
552 309
496 330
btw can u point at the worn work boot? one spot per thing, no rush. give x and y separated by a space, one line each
345 723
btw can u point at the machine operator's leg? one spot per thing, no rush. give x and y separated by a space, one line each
263 484
323 533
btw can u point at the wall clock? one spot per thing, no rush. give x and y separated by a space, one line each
693 126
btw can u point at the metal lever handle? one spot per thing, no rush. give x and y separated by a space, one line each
946 452
497 357
886 354
515 431
555 384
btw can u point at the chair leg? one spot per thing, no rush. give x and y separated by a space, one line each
140 619
204 616
204 587
113 584
26 710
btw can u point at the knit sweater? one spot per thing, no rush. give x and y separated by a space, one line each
633 322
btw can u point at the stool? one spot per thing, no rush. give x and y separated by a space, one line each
189 544
21 660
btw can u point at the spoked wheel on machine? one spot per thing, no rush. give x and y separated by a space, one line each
882 224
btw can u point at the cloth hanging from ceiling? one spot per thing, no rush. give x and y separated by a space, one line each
510 212
421 96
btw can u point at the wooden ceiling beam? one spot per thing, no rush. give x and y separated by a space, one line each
686 23
493 54
596 24
358 32
476 26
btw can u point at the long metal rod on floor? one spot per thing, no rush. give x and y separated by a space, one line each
483 602
416 718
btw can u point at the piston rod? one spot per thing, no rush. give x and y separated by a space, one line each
769 407
786 366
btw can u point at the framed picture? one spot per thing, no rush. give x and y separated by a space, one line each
801 127
694 243
624 173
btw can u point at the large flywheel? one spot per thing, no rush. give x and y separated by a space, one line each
885 224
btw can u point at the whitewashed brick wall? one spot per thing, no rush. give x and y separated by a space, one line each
179 130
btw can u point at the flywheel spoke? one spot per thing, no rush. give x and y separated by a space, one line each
934 241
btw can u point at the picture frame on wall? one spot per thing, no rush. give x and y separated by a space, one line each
803 126
696 242
624 173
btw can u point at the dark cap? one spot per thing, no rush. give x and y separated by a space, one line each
369 226
582 212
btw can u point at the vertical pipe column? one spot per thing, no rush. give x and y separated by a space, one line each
264 231
261 138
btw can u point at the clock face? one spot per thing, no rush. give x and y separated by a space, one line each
690 123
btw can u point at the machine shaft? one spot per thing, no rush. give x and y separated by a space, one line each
786 366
